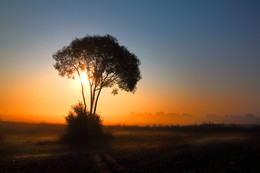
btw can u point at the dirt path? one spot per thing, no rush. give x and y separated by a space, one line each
105 163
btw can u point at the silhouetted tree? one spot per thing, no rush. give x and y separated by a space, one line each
106 63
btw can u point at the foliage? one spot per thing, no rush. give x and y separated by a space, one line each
83 126
106 63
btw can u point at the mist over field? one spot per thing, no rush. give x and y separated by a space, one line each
159 118
31 147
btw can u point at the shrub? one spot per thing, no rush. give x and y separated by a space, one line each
82 126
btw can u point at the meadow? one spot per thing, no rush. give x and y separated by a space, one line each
197 148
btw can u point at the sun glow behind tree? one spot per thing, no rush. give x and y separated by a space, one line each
103 61
83 77
203 67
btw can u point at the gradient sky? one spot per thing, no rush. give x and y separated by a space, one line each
198 57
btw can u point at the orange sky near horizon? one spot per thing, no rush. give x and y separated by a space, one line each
47 97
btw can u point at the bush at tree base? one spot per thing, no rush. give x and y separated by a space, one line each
82 126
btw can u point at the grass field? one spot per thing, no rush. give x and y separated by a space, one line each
204 148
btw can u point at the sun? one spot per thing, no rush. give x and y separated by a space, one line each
84 78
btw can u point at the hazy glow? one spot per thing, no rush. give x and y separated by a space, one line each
198 57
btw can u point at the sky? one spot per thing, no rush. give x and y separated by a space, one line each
197 57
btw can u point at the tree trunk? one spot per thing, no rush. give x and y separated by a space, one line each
82 91
97 101
93 100
90 88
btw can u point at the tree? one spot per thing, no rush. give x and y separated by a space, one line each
106 63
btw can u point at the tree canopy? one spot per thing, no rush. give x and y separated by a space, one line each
106 63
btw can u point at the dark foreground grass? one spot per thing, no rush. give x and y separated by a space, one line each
137 149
